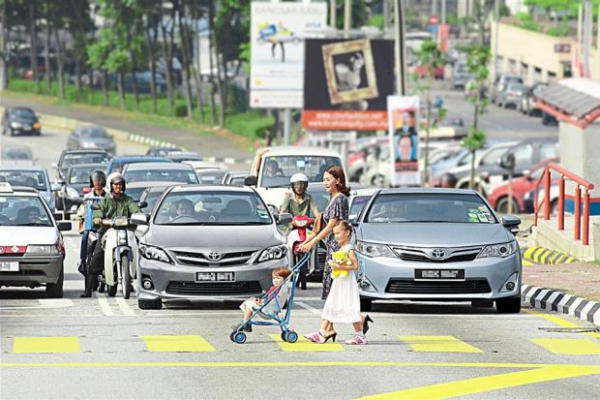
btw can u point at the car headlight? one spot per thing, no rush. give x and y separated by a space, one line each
502 250
374 250
16 125
122 237
42 249
273 253
154 253
72 193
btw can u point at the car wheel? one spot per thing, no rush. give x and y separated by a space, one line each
154 304
502 206
55 290
366 304
509 306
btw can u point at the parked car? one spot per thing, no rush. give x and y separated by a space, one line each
549 119
460 75
32 177
91 137
20 121
117 164
77 185
32 248
511 96
17 156
241 245
527 106
69 158
501 84
499 198
437 244
358 200
161 151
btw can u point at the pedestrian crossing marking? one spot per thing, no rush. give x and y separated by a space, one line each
50 344
304 345
439 344
177 343
581 347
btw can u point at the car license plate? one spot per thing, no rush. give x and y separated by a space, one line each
439 274
215 276
27 128
9 266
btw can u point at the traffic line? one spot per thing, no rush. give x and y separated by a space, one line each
304 345
307 307
177 343
562 322
487 384
125 307
580 347
438 344
104 306
56 344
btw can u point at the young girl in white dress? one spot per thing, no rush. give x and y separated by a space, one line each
343 303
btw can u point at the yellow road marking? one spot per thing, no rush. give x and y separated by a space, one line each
528 253
441 344
488 383
174 343
304 344
50 344
526 263
580 347
544 256
553 318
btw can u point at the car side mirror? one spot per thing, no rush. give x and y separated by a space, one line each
511 223
284 219
139 219
251 180
55 187
142 204
58 216
64 226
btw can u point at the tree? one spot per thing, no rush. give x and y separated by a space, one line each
359 12
152 14
97 53
167 28
3 55
430 58
477 63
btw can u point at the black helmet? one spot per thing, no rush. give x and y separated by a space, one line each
118 178
97 176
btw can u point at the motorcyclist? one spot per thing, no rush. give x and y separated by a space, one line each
97 183
115 204
299 202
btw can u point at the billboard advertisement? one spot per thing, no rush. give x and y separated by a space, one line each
277 45
346 84
403 116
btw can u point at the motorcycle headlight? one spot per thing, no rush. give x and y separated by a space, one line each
502 250
122 237
154 253
374 250
42 249
273 253
72 193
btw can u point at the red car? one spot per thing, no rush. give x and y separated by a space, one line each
498 199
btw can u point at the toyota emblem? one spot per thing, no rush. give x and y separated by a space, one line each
438 254
214 256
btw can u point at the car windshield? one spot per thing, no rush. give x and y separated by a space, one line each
83 158
429 208
17 154
22 113
82 174
23 211
212 208
162 175
277 171
93 132
358 204
32 179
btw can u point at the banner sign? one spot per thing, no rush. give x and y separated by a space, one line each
277 45
403 115
346 84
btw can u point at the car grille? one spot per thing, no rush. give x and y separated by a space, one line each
26 272
416 254
409 286
201 260
214 288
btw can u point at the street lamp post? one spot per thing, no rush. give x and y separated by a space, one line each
400 47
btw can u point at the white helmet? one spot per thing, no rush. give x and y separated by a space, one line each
299 177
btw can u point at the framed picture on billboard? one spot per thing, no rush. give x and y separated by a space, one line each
403 114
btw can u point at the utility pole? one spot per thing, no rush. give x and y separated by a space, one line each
3 53
332 13
386 15
587 37
496 41
347 18
579 39
400 48
443 12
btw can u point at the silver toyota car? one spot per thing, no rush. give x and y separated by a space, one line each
208 242
440 245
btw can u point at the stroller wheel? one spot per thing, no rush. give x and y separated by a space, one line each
240 337
291 337
232 336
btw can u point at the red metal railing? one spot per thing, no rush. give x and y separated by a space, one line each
580 183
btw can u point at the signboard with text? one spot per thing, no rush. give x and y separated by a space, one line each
403 116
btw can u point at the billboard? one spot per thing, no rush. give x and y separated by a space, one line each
403 116
277 32
346 84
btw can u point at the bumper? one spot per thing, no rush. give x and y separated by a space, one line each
176 281
484 279
24 131
33 270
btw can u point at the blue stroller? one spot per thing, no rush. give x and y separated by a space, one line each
271 310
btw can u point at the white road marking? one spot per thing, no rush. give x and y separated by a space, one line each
309 308
106 310
125 307
56 303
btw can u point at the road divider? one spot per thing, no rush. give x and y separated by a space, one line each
542 255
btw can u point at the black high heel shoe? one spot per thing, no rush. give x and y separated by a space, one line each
332 337
366 324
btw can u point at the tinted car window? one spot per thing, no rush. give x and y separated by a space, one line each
429 208
277 171
82 174
32 179
493 157
358 204
212 208
170 175
22 113
23 211
150 197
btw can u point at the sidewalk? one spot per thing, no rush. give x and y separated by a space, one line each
217 145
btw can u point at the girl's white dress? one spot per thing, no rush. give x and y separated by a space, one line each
343 303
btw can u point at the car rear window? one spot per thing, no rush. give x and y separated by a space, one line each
429 208
162 175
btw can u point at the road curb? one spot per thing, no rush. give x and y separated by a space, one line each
542 255
555 300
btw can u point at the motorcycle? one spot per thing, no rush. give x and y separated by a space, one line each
298 235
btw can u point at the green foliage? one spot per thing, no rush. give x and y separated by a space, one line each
559 31
117 61
251 125
360 14
376 20
475 140
233 27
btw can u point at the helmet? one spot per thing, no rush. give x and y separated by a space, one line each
118 178
97 176
299 177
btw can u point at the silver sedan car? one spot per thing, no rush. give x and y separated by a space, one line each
208 242
440 245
